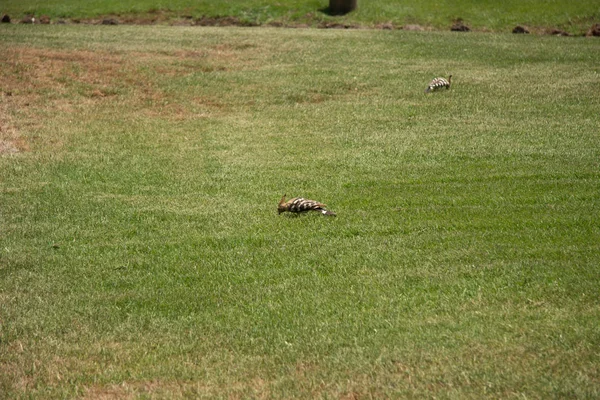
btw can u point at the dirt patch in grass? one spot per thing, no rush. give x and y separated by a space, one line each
30 71
39 84
10 140
131 390
42 84
13 146
175 389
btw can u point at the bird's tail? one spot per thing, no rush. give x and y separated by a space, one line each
327 212
428 89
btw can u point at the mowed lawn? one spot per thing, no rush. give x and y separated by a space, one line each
141 253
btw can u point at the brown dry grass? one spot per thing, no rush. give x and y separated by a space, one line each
131 390
40 83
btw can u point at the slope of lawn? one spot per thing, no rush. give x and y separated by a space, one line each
141 253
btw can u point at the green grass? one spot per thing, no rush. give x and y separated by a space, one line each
575 17
141 253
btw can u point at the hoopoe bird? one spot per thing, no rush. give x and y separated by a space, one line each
300 204
439 83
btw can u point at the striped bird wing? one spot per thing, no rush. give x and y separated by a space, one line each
300 204
438 83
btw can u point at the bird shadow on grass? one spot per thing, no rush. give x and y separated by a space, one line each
305 215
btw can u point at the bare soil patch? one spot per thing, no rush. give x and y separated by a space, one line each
40 83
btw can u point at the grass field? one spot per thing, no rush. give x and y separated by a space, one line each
574 17
141 254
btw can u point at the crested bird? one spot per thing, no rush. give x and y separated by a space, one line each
300 204
439 83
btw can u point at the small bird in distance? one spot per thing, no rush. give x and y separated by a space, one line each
439 83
